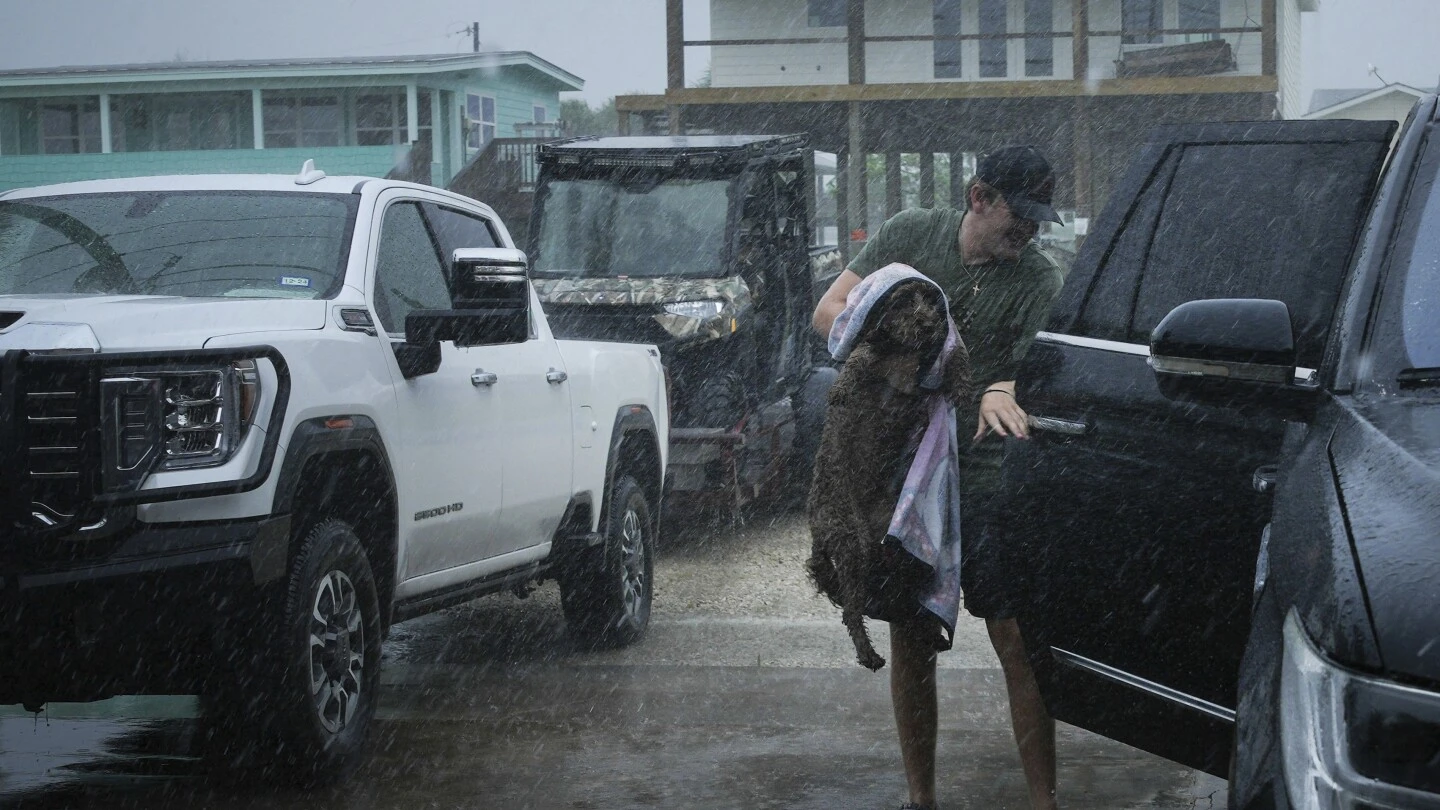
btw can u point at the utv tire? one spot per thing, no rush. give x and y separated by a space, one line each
607 590
717 402
325 678
810 404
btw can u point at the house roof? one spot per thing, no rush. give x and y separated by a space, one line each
287 68
1331 101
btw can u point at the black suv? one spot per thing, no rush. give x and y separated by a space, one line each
1233 488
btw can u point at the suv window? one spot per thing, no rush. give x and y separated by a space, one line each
457 229
1233 221
408 272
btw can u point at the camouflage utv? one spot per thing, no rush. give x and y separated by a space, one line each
700 245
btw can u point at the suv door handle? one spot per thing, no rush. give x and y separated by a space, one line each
483 377
1062 426
556 376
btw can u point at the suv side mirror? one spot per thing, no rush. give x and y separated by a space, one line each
490 296
1231 352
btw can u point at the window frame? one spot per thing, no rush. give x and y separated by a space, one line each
826 13
1130 9
948 56
80 109
480 131
295 101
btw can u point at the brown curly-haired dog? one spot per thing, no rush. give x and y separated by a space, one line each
876 412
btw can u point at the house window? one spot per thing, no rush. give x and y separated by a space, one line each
1140 17
301 120
1199 15
947 52
539 114
480 120
181 121
380 119
993 52
69 126
826 13
1039 51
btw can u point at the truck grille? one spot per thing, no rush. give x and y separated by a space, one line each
51 447
55 444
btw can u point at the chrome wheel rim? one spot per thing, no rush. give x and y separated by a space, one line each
336 650
634 578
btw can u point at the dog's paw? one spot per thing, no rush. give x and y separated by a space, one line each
871 661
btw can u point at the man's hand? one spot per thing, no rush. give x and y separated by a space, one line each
1001 413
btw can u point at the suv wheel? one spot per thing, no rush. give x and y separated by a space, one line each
608 590
326 685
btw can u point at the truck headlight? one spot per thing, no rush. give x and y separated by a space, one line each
684 319
175 419
1351 740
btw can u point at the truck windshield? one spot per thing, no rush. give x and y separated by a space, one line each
599 228
231 243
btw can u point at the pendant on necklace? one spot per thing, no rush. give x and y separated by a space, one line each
975 290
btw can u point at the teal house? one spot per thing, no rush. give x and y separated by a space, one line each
421 117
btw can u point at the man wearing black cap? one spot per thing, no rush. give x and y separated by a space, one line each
1000 287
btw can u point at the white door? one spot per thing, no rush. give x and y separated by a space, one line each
533 388
448 467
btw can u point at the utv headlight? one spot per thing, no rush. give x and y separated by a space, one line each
175 420
1349 740
699 310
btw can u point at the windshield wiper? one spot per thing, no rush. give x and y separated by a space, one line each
1419 377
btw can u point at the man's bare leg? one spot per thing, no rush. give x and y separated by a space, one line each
1034 728
912 691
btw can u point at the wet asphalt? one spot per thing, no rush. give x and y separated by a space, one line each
744 694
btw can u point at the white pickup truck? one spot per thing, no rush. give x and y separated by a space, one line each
249 422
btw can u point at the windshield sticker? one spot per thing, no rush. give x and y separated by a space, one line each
294 281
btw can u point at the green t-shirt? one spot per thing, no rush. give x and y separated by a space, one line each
997 324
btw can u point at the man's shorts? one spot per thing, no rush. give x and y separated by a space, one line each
995 573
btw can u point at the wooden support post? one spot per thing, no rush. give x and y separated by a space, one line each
674 44
1080 50
893 197
855 177
855 33
1084 192
957 180
1268 49
927 179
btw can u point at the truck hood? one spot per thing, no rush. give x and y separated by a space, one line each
732 294
138 323
1388 466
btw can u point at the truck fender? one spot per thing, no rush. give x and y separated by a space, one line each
633 423
371 513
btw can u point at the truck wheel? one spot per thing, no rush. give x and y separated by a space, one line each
326 684
718 401
608 591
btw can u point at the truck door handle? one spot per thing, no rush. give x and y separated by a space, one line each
556 376
483 377
1064 427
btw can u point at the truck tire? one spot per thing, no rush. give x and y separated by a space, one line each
326 682
608 589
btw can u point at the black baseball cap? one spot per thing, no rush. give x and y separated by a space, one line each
1023 177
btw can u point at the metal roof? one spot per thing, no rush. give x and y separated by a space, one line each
272 68
1321 100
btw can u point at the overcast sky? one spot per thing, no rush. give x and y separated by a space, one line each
617 46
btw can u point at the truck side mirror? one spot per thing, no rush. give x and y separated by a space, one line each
490 300
1230 352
